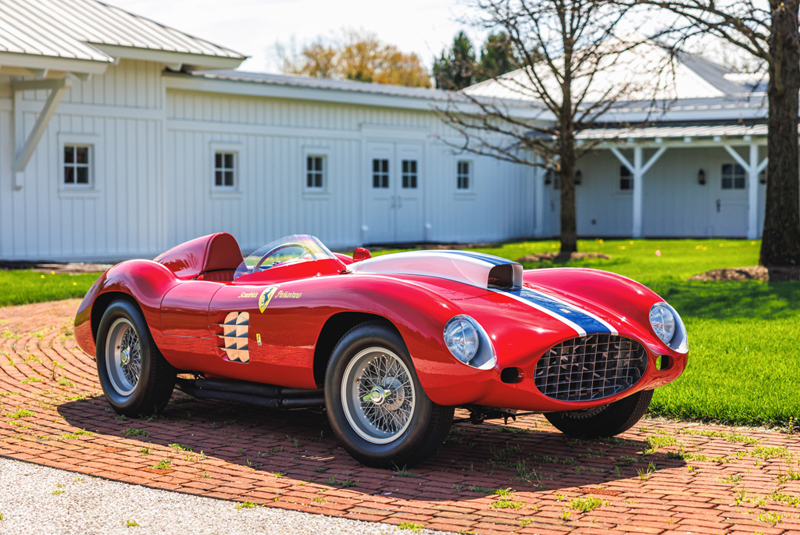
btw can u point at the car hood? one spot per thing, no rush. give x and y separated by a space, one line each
538 309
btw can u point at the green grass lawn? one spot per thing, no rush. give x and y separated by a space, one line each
744 361
19 287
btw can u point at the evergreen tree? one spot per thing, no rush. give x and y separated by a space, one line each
497 57
455 68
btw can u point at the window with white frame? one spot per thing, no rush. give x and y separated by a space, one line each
464 175
409 174
77 165
380 173
733 176
315 172
225 169
625 179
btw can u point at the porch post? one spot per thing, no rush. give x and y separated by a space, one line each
752 193
638 191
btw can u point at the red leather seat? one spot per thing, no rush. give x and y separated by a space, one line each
222 258
213 258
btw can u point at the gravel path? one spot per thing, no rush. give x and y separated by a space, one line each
43 501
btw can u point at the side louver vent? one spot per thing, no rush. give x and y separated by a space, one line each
591 368
233 339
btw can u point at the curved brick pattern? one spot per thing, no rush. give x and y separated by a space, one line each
661 477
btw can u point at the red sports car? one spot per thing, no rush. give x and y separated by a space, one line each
389 345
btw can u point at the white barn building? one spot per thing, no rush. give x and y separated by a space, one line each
120 137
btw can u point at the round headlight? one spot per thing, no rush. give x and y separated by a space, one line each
461 338
663 321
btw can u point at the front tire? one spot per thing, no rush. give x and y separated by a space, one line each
135 377
375 403
603 422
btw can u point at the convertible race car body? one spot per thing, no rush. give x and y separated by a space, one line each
393 343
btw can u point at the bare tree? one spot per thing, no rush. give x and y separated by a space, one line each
768 30
574 70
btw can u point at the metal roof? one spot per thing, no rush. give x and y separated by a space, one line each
74 29
327 83
642 73
673 132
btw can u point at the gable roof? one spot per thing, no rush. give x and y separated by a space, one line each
91 31
643 71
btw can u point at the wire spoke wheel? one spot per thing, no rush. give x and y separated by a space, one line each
378 395
123 357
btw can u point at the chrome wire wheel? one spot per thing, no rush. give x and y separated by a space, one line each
378 395
123 357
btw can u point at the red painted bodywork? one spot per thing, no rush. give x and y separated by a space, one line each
182 314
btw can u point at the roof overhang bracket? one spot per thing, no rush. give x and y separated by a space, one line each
24 147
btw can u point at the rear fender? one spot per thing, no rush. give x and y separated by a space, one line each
145 281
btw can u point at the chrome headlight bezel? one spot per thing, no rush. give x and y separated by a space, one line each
483 357
678 340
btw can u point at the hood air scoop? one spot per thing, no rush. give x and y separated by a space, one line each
476 269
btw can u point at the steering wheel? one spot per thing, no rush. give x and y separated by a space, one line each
280 247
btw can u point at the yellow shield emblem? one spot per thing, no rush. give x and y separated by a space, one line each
265 297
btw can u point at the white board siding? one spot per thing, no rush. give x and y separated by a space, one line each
234 109
271 203
119 220
272 134
156 176
132 84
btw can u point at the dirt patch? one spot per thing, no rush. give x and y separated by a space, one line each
757 273
559 257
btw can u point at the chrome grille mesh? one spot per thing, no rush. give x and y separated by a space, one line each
590 368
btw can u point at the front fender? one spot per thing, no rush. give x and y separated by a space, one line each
419 314
143 280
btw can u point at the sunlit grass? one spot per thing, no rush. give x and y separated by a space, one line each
20 287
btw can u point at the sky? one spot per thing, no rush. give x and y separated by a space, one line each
252 27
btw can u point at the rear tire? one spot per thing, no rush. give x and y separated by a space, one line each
375 403
610 420
135 377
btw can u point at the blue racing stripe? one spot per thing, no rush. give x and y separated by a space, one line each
565 310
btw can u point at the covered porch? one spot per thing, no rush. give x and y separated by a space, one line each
665 181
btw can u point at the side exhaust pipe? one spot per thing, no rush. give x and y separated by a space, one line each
267 396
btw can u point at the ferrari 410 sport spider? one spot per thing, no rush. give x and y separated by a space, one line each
390 346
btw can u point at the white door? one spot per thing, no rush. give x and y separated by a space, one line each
729 207
408 206
395 201
380 200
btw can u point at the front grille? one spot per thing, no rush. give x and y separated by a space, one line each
590 368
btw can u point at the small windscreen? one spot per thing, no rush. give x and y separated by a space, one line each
287 250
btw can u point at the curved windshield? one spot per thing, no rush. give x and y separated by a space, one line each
287 250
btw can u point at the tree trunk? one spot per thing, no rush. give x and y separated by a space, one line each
780 244
569 224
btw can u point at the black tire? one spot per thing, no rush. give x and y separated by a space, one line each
427 423
610 420
156 380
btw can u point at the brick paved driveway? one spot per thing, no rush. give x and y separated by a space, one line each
661 477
